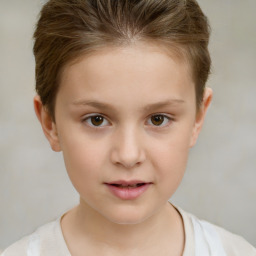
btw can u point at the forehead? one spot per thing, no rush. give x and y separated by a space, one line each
148 70
137 49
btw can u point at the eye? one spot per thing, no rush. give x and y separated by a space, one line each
159 120
96 120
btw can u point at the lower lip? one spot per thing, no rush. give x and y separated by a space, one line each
128 193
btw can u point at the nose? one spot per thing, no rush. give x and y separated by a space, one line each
127 150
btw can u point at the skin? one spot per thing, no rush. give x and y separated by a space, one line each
127 87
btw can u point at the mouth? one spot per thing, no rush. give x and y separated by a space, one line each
128 190
128 186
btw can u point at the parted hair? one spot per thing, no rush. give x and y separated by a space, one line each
69 29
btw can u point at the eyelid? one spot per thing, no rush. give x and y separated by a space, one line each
88 116
169 117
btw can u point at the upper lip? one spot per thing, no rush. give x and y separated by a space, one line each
127 182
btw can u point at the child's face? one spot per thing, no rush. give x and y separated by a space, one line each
126 116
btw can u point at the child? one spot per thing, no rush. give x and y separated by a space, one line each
121 92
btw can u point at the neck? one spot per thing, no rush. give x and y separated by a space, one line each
164 226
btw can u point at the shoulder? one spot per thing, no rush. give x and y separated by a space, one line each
18 248
234 244
48 238
216 240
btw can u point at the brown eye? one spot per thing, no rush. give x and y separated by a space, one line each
97 120
157 120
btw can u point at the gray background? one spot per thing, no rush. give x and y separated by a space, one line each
219 185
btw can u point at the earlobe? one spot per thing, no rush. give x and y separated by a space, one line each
48 125
201 115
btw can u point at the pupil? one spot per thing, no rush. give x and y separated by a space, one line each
97 120
157 120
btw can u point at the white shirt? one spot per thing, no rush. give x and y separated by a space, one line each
201 239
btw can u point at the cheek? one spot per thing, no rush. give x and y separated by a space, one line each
170 159
83 160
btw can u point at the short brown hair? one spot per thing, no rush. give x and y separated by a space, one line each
67 29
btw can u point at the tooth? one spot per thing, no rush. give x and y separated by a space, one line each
128 186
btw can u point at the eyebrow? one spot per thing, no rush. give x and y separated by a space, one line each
165 103
106 106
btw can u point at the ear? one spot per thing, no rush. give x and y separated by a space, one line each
201 115
48 125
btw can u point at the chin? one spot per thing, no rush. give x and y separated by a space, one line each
128 217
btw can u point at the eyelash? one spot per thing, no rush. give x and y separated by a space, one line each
167 120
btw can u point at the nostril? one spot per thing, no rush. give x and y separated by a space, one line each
127 156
